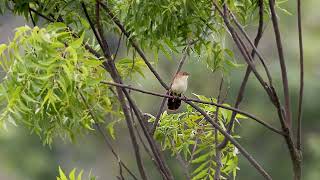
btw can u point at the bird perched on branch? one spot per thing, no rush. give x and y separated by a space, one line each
178 87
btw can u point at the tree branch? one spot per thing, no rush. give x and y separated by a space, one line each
282 64
218 150
301 76
247 74
197 101
298 172
243 50
115 77
104 136
157 154
31 17
253 47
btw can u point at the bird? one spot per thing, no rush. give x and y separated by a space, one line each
178 87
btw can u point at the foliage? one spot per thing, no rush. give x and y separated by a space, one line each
47 73
72 175
189 134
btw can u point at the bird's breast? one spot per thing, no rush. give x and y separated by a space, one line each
179 85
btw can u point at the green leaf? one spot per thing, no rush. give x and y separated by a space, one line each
80 175
110 128
201 167
72 174
62 175
201 174
2 48
77 43
201 158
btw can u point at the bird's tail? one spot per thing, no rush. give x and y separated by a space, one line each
174 103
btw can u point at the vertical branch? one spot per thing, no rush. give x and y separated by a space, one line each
115 76
299 148
157 154
248 72
282 63
160 160
301 76
105 137
294 154
218 150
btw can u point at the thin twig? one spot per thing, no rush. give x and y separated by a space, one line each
253 48
294 153
108 143
243 49
141 139
299 128
31 17
218 150
118 46
104 45
155 150
282 64
41 15
247 74
197 101
301 77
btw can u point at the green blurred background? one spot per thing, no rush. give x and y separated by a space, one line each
23 157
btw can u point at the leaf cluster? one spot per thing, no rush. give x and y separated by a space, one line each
50 80
189 134
73 175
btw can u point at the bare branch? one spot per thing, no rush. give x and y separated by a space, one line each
299 148
301 76
247 74
197 101
142 142
243 50
282 64
157 154
121 98
105 137
253 47
218 150
118 46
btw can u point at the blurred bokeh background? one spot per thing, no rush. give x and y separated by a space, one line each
23 157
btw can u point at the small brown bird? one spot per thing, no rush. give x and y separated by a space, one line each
179 86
